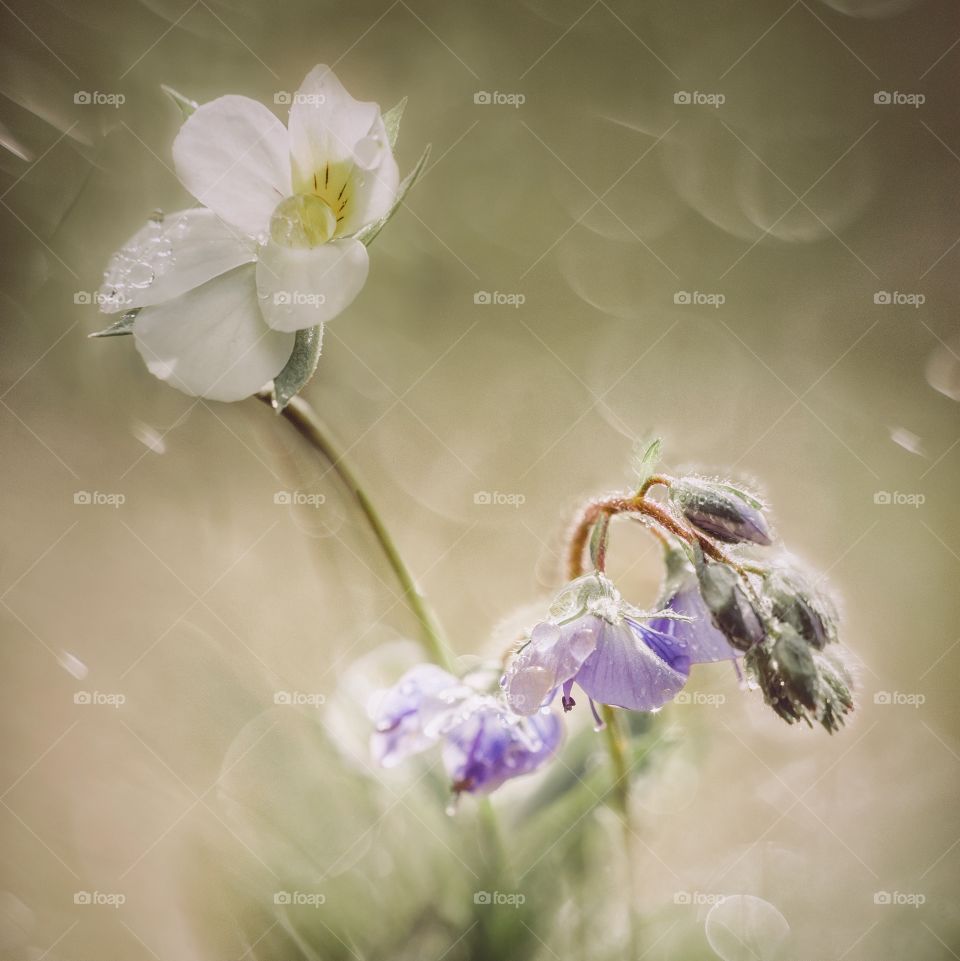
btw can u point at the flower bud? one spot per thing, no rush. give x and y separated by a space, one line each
722 512
796 602
794 664
730 608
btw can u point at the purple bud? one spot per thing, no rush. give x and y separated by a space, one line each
722 512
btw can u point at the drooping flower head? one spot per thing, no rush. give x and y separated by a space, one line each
484 743
222 289
693 632
596 640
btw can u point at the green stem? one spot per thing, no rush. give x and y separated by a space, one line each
616 744
306 422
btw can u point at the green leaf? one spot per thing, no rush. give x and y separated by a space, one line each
186 105
646 459
119 327
367 234
598 541
391 120
744 496
300 367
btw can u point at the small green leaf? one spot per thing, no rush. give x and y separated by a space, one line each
598 541
119 327
300 367
646 459
186 105
367 234
391 120
744 496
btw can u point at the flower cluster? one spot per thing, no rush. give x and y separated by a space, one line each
483 743
223 298
714 606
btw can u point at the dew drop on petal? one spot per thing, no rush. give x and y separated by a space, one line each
745 928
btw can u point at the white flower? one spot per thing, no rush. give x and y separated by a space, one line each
224 287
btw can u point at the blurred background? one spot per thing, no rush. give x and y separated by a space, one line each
731 224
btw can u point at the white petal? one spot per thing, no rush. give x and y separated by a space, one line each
327 126
232 154
326 123
374 187
212 342
164 259
301 287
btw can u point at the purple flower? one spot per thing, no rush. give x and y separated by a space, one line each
484 744
697 638
597 641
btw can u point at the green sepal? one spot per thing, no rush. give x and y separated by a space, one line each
299 368
645 460
391 121
367 234
186 105
598 541
119 327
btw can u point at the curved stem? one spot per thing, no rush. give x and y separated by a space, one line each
306 422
